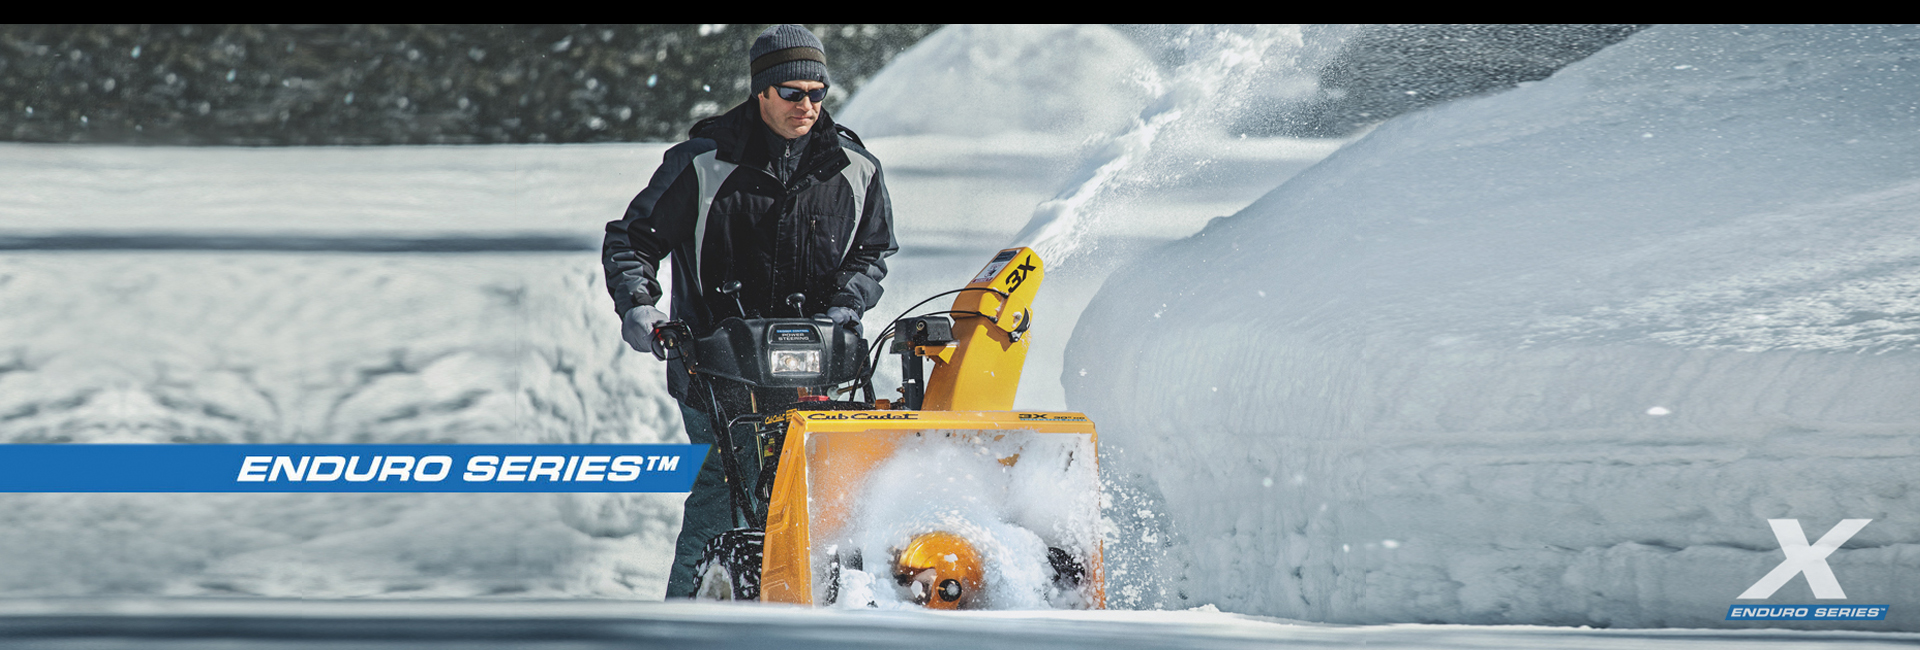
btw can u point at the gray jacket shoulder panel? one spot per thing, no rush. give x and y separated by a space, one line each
650 228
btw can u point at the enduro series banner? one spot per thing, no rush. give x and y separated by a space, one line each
348 468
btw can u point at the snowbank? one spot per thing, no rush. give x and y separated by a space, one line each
325 348
1551 356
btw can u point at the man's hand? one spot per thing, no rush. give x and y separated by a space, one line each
848 318
637 327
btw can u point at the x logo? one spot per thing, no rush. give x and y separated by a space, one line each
1801 558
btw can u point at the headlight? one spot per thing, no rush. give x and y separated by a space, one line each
794 362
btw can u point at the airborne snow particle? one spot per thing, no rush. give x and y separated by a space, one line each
1266 482
1658 410
1390 543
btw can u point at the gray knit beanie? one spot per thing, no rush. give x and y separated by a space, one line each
787 53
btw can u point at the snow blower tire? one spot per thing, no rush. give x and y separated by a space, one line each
729 567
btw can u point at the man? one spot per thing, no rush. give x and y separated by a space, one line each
773 195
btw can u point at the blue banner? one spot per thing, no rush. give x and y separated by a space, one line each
1807 613
348 468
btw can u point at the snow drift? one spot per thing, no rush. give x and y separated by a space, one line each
1550 356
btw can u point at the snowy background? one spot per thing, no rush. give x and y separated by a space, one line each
1549 356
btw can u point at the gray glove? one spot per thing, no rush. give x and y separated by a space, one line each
637 327
848 318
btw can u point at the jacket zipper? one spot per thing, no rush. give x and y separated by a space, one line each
787 199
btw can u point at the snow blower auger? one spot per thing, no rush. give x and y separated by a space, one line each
944 498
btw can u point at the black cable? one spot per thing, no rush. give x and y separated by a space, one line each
873 352
903 313
742 507
961 311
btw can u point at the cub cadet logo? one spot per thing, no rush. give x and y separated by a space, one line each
863 416
1050 416
1804 558
1019 275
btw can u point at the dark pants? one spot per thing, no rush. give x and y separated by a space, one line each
709 509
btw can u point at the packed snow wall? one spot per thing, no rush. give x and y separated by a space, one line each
1551 356
322 295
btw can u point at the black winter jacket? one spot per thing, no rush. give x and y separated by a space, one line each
716 206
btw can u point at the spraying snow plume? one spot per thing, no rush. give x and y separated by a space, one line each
1221 64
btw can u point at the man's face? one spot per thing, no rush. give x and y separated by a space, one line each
790 119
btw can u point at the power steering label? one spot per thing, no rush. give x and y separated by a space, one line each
348 468
793 334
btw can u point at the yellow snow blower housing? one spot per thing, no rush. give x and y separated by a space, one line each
886 480
945 498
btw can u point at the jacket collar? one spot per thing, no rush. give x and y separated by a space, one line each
732 133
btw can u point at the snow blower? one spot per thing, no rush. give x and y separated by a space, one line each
943 497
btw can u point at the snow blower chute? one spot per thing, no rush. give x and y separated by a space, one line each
944 498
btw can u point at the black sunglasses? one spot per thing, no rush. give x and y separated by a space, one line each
794 94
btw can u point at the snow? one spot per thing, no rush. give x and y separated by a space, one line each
1010 494
1073 81
1547 357
324 348
287 623
1551 356
321 190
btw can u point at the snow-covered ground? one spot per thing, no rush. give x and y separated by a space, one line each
587 624
1548 357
